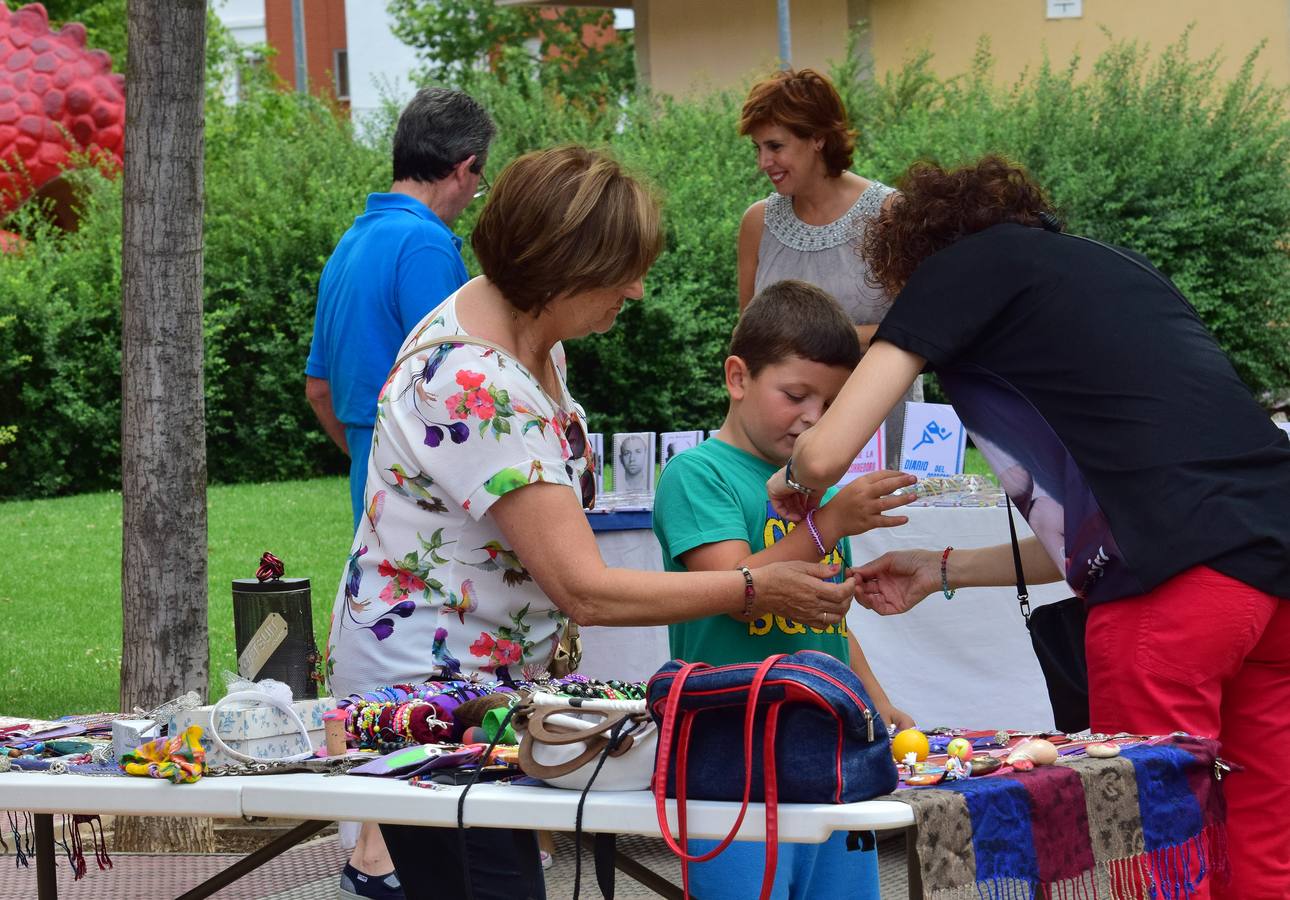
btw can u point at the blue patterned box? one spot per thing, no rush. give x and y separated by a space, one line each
259 731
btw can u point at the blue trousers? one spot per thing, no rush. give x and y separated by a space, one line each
359 441
805 871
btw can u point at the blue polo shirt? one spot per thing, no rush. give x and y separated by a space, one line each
396 262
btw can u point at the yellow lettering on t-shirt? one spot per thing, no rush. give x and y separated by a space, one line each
788 626
760 626
775 531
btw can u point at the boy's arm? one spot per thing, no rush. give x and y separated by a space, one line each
854 509
890 714
726 555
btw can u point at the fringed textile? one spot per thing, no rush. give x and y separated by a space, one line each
23 846
1149 823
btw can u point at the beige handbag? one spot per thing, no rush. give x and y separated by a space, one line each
565 740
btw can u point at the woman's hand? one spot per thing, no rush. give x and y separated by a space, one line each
798 591
897 718
897 582
792 505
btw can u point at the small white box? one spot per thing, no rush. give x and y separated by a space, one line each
260 731
127 734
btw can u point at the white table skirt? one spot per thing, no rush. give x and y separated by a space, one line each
966 661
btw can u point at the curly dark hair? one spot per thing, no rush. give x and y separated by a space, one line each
939 206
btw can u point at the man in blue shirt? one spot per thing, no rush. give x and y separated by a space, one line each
397 262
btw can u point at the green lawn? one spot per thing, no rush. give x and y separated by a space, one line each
60 606
60 597
974 463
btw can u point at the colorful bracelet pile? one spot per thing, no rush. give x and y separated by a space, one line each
389 718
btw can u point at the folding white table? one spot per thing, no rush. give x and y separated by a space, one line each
321 799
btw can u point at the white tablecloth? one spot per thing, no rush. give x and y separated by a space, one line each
966 661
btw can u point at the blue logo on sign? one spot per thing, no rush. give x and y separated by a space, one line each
932 430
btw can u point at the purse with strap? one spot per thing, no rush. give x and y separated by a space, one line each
802 724
1057 636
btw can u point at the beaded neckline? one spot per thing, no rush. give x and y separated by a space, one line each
793 232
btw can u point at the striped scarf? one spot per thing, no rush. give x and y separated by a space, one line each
1149 820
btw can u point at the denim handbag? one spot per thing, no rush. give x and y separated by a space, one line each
801 723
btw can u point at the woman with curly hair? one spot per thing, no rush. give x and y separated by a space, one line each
811 226
1086 366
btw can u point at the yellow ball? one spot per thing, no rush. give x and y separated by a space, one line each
911 740
960 747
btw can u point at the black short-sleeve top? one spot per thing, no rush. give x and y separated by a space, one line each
1112 417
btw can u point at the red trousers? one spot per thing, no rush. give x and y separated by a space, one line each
1209 655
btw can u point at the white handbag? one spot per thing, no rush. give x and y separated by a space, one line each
563 741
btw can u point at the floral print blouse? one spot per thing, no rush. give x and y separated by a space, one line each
430 582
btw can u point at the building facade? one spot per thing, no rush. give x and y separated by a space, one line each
695 45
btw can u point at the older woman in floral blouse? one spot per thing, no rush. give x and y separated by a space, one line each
474 553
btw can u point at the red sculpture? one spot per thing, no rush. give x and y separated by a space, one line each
56 99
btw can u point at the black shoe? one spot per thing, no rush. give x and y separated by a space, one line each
355 885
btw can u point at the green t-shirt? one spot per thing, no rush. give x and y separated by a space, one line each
714 493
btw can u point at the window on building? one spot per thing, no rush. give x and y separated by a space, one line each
340 72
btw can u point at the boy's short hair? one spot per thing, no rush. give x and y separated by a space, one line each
793 318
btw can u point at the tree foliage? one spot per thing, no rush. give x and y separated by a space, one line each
573 50
1152 151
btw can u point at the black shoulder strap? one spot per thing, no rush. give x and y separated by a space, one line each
1023 595
1173 288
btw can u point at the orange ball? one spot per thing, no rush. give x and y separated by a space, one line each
911 740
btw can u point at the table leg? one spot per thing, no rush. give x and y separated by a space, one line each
251 861
46 877
915 874
640 873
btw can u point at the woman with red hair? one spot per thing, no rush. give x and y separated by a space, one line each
811 226
1088 368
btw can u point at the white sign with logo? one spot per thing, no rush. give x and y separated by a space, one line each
870 459
934 441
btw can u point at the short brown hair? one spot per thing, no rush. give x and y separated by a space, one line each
565 220
793 318
938 206
807 104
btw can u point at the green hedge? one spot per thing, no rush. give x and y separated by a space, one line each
1152 152
1155 154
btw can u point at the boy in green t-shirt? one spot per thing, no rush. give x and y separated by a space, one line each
790 354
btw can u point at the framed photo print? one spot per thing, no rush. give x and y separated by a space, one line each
634 455
597 442
674 442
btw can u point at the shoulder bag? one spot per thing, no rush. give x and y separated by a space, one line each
802 725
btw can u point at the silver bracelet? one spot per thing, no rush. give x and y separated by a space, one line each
794 485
